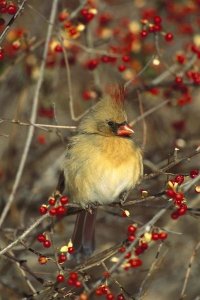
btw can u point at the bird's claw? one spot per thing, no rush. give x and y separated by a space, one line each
122 198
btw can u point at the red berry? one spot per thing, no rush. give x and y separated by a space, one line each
52 201
174 215
11 9
179 179
78 284
42 260
41 238
62 258
3 4
71 250
98 292
179 197
110 297
105 289
169 37
73 276
155 236
72 31
135 262
64 200
61 210
16 45
105 59
180 58
139 250
120 297
47 244
60 278
104 19
144 245
70 281
63 16
155 28
58 48
128 255
88 17
163 235
178 202
179 79
126 58
43 210
143 33
53 211
170 193
122 249
92 64
182 210
194 173
132 229
106 274
41 139
122 68
84 12
157 19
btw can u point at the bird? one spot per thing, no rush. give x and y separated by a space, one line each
102 164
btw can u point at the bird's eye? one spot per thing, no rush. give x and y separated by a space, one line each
113 126
111 123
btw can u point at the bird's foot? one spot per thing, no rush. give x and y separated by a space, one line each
91 207
122 198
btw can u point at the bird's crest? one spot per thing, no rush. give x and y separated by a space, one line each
117 93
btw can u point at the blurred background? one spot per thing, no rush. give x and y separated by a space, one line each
153 49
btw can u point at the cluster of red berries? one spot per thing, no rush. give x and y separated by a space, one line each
178 197
106 59
73 280
131 230
153 27
194 173
87 15
62 257
55 207
141 247
104 290
7 7
42 239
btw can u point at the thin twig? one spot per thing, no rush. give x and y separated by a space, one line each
37 125
151 270
32 118
126 85
116 266
78 9
69 83
144 125
149 112
19 266
189 271
24 234
21 7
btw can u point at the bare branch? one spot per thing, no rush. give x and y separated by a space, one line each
32 118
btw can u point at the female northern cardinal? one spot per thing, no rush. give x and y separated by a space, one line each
102 164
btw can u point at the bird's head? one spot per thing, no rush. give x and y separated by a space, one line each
108 117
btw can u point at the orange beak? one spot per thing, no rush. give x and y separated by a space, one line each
125 130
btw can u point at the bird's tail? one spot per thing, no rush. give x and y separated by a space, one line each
83 237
